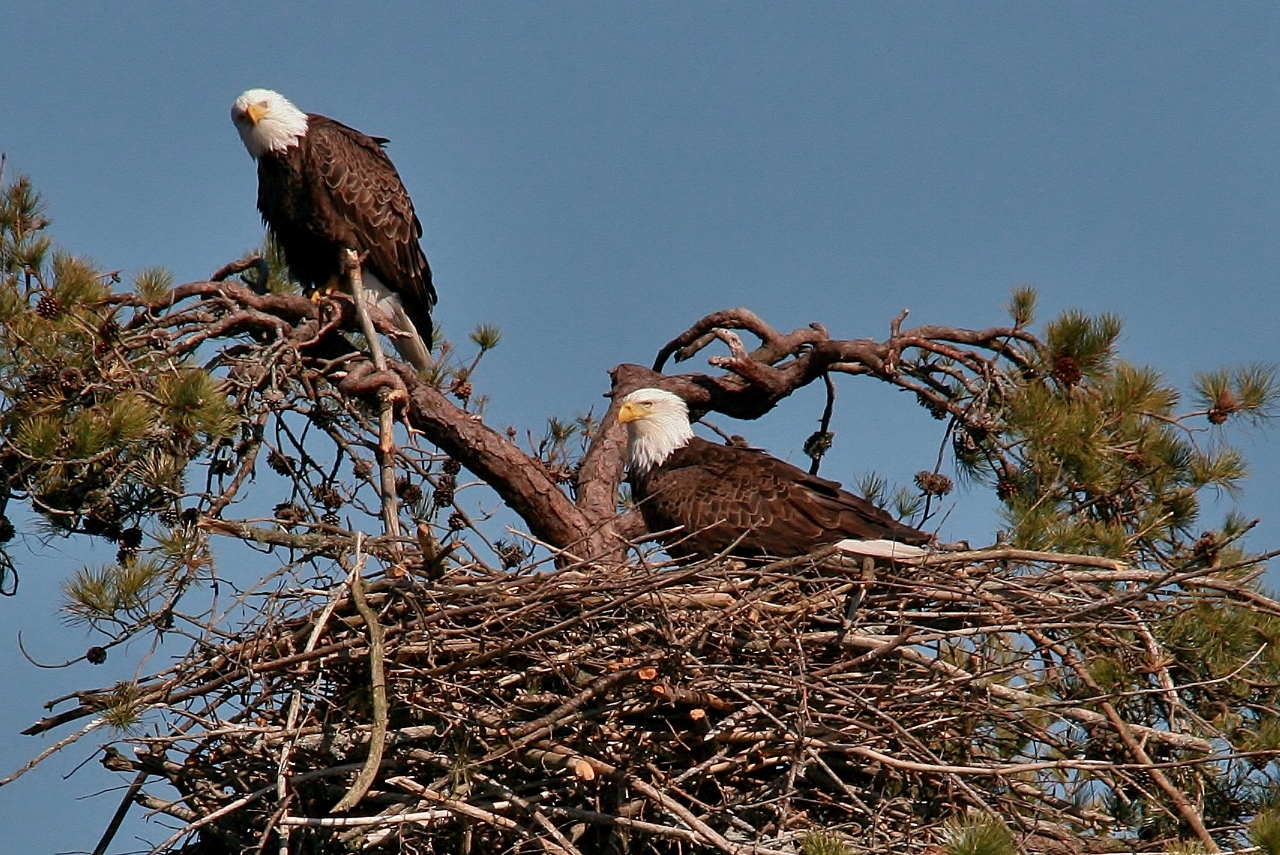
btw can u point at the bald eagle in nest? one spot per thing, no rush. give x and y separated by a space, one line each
741 500
324 187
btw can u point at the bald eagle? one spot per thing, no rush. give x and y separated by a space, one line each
324 187
741 499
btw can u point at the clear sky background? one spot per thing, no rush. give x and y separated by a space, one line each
593 177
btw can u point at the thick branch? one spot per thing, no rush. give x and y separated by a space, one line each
518 479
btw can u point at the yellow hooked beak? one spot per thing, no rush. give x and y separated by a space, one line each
255 112
630 411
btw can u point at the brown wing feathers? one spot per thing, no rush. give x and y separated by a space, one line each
720 494
371 203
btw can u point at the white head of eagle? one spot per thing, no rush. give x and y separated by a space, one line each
267 121
657 424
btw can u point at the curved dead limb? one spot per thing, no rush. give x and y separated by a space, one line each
757 381
377 686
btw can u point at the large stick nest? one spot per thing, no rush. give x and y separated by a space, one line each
719 706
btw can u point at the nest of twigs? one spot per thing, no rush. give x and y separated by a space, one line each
720 706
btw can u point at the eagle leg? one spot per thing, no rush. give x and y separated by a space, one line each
330 289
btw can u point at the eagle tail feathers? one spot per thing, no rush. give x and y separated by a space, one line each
880 548
412 349
408 340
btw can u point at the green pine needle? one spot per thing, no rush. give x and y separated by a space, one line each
1185 847
1090 342
77 281
1258 389
39 437
825 843
111 592
978 834
30 253
123 711
128 418
873 487
90 593
1264 832
1022 305
279 279
1222 467
193 402
486 336
153 284
907 502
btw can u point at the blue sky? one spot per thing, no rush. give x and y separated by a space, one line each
593 177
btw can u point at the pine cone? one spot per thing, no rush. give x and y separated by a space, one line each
40 380
933 483
288 513
71 380
818 444
280 464
96 655
510 554
322 418
1066 371
1224 404
451 467
1136 459
107 511
457 522
408 491
1207 546
327 495
7 531
48 307
935 409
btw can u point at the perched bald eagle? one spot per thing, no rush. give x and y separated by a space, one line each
324 187
741 499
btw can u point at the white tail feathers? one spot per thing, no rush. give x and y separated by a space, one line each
880 548
408 342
